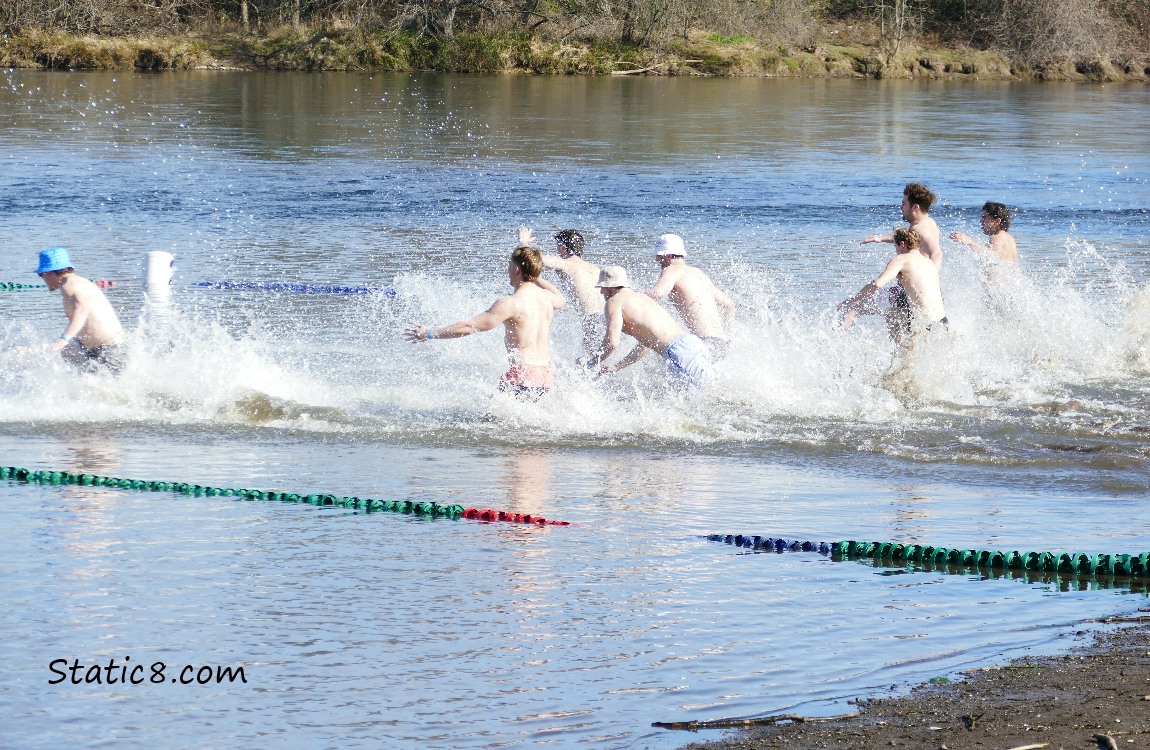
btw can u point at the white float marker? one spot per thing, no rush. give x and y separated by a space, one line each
158 271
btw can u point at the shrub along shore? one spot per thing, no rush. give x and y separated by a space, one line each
845 52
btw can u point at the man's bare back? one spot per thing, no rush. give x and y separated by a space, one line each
526 319
86 306
528 313
696 298
640 317
579 277
918 278
688 359
931 238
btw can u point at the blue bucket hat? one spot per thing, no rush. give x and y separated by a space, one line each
54 259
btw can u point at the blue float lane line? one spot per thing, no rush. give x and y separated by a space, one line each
257 286
260 286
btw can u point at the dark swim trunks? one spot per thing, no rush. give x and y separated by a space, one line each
108 356
900 308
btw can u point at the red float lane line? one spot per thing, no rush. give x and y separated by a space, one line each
488 514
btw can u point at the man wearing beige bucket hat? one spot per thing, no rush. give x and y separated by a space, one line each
704 308
637 315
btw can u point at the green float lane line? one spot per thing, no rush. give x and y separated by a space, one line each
1066 563
427 509
423 509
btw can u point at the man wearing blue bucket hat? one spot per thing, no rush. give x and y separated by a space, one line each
93 336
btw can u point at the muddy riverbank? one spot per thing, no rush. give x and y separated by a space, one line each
1097 695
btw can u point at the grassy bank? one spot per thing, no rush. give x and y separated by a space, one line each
838 53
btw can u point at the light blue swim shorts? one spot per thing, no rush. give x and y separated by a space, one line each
689 361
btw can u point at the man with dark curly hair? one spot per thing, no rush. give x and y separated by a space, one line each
916 202
995 223
578 278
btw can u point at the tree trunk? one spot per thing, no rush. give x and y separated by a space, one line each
449 22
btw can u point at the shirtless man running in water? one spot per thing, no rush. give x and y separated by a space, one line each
579 277
916 202
995 223
526 317
688 359
93 336
917 275
694 295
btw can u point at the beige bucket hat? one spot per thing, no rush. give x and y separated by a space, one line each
613 276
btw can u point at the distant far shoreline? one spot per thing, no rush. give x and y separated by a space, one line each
349 49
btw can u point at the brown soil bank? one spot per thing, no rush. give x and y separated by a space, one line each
292 48
1095 697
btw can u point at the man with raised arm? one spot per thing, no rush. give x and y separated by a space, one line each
694 295
93 337
526 318
637 315
578 278
995 223
918 277
916 202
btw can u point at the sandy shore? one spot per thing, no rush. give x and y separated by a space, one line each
1096 696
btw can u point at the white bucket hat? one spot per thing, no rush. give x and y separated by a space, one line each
670 244
613 276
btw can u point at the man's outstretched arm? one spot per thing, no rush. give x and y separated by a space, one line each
484 321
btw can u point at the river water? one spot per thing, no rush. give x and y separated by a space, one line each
1024 428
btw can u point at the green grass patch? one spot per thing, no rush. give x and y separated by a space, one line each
730 41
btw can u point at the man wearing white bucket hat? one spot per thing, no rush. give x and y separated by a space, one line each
694 295
93 334
637 315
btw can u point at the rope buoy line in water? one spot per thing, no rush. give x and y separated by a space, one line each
299 288
1066 563
15 286
423 509
387 291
